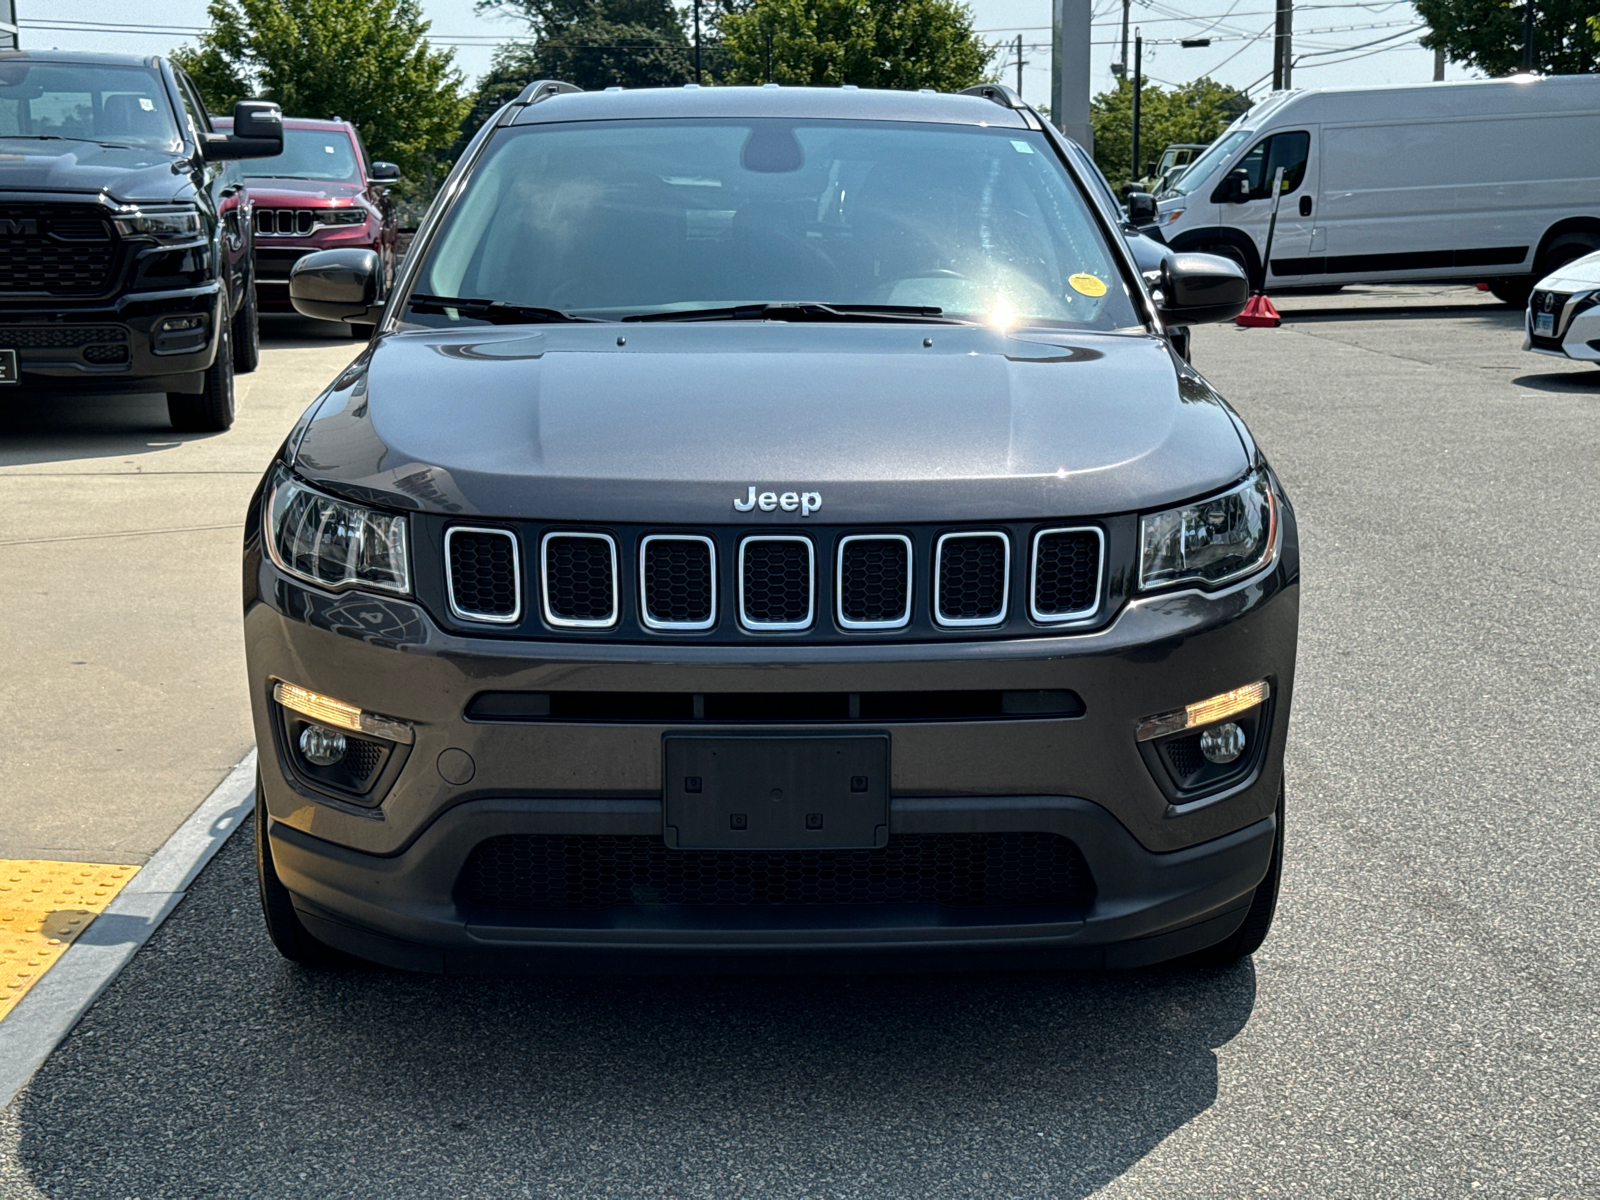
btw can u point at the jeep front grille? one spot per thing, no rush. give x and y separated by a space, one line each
777 583
483 574
1066 574
972 578
579 580
285 222
55 250
874 584
678 581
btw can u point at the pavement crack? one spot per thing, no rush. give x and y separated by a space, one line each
126 533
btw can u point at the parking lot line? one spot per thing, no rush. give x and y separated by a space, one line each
44 906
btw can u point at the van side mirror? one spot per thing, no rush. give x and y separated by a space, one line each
337 285
1235 188
1141 208
383 172
1198 289
257 133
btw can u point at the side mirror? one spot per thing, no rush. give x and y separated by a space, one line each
1196 289
1235 188
1141 208
337 285
1149 169
383 172
257 133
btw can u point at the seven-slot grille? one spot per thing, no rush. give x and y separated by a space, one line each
678 581
972 578
57 250
1066 574
285 222
874 584
777 582
580 580
482 574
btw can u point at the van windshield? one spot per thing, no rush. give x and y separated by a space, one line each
619 219
1200 170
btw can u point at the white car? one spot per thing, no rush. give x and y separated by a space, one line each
1564 312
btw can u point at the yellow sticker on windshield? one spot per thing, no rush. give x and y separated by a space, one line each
1089 285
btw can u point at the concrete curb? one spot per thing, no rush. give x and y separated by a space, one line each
53 1005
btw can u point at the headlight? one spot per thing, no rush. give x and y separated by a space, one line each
343 216
164 223
1219 539
335 544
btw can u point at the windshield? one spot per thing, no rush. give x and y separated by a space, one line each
309 154
125 106
1200 170
614 219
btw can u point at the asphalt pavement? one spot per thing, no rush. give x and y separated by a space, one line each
1421 1022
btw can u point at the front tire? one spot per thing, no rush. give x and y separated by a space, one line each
284 927
1247 939
247 334
212 410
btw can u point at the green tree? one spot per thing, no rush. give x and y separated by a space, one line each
870 43
367 61
1195 112
1487 34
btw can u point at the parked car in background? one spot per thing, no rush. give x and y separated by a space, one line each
1564 312
322 193
1495 180
1174 161
125 235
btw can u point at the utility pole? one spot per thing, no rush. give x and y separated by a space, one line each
1069 69
697 42
1138 83
1438 66
1288 43
1527 36
1019 66
1283 31
1121 68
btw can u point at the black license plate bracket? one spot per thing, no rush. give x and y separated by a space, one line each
800 791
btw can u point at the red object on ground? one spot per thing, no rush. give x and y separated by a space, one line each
1483 287
1259 313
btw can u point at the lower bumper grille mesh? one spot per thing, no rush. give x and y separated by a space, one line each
601 871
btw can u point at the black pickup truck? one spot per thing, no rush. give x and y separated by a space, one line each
125 233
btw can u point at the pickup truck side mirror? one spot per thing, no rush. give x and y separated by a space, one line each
1196 289
257 133
1141 208
383 172
337 285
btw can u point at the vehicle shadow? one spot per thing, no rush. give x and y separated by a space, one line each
1571 383
277 1081
42 428
290 331
1495 315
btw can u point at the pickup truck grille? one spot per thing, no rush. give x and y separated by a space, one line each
55 250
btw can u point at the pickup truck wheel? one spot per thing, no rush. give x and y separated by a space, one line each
284 926
1247 939
212 410
362 333
247 334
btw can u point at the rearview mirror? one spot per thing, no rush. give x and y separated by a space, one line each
337 285
383 172
1141 208
1198 289
257 133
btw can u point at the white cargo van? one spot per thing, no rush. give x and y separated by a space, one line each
1494 180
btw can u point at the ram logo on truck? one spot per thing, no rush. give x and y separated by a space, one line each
13 225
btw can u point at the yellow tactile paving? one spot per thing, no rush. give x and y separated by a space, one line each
43 907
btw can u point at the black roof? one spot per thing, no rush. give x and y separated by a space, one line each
842 103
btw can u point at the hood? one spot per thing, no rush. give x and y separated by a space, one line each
303 192
125 173
1578 275
562 423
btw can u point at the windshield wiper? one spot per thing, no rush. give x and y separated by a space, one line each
892 313
496 312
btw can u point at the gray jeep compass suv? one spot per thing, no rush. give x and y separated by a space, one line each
769 525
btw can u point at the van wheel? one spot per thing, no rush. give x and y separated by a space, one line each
284 927
1247 939
247 334
1513 291
212 410
1231 252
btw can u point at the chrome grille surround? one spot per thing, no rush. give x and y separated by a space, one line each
938 580
838 588
1075 616
466 614
651 622
811 591
544 581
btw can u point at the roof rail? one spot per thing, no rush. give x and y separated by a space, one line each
543 89
998 92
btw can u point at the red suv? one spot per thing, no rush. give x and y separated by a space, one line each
321 193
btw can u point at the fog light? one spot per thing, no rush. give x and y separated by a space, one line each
179 324
339 714
1220 745
1205 712
324 747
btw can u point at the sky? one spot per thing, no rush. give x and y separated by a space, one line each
1335 37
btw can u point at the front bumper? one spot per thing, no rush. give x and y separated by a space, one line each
1576 334
1170 874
